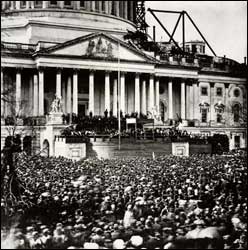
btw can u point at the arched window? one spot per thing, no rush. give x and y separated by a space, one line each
45 148
236 112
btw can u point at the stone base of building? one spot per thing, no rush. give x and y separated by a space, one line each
55 119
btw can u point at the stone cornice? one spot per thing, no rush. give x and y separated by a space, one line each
222 79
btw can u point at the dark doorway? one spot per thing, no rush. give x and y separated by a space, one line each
81 109
27 144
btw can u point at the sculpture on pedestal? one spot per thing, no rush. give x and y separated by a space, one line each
56 106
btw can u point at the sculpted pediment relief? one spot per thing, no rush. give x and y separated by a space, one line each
99 46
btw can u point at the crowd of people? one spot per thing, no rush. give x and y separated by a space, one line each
150 203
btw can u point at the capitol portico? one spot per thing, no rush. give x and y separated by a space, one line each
43 55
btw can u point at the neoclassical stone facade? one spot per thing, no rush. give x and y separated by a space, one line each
42 54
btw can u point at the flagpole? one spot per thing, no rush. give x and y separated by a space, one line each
118 97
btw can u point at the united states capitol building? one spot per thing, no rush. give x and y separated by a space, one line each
77 50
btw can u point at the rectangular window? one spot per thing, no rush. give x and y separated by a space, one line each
193 48
204 115
82 4
204 91
67 3
219 118
219 91
53 3
237 141
23 4
38 3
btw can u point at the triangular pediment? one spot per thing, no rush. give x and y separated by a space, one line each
99 45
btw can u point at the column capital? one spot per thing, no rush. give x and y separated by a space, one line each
123 73
192 81
40 69
75 70
59 69
183 79
19 69
92 70
137 73
108 71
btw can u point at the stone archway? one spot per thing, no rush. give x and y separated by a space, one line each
45 148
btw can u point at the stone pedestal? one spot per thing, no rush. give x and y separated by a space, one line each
55 118
180 148
185 123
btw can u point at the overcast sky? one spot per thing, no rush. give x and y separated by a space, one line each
223 24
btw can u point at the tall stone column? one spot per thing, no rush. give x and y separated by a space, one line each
143 107
41 92
44 4
130 10
76 5
91 92
28 4
36 95
93 5
170 95
122 101
68 97
58 83
157 95
151 94
196 99
18 92
107 91
100 6
61 4
12 5
110 7
117 8
31 93
226 113
125 9
32 4
106 6
2 90
18 4
88 5
3 5
75 92
115 97
63 96
183 104
211 108
137 94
